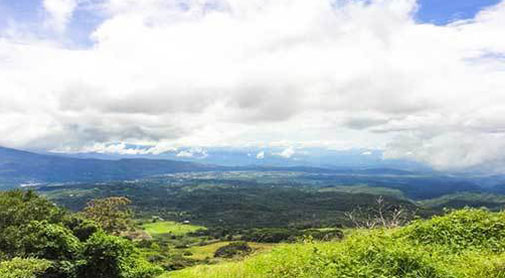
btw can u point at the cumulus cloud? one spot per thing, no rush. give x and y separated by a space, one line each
339 74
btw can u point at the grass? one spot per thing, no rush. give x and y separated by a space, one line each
170 228
468 243
207 251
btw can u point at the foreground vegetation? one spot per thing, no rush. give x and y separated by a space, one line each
39 239
239 225
468 243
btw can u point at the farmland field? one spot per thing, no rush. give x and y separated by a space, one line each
170 227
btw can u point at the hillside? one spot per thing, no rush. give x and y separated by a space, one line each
462 244
17 167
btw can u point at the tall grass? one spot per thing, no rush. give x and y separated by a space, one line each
468 243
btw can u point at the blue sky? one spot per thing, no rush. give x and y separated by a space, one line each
445 11
29 14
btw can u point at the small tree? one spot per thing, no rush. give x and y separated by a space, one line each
112 214
380 215
108 256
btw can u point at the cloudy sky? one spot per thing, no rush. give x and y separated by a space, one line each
422 80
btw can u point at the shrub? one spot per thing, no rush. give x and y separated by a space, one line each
109 256
233 249
460 230
81 227
324 235
271 235
49 241
23 268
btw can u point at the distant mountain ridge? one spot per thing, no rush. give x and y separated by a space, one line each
23 167
18 167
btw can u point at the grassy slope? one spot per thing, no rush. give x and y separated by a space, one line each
207 251
170 227
463 244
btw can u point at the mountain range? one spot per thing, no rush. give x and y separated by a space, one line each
21 167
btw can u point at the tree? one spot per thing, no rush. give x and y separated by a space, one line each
49 241
17 210
82 227
111 213
66 245
19 207
110 256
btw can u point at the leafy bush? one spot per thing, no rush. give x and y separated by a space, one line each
460 230
23 268
233 249
109 256
177 262
81 227
49 241
74 247
324 235
271 235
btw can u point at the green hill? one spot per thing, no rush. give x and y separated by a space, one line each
468 243
466 199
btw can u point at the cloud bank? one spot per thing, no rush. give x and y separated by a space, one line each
337 74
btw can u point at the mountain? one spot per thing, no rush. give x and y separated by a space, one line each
18 167
27 168
266 157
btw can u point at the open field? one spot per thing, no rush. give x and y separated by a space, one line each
207 251
170 227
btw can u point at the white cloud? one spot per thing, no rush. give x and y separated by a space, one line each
286 153
185 154
170 74
193 153
59 13
260 155
116 148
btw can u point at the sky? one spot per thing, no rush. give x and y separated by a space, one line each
421 80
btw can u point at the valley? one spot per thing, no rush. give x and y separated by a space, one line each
196 220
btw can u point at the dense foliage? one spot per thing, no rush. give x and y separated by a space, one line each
112 213
58 244
23 268
245 201
461 244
